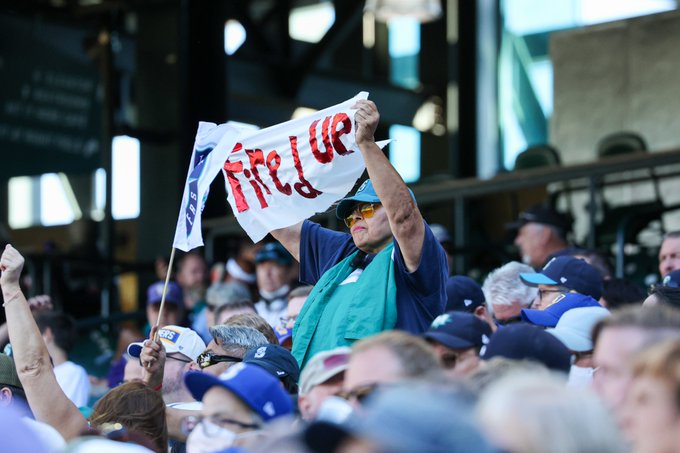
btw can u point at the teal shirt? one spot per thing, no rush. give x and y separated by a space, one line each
338 314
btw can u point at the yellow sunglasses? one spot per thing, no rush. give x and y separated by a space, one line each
367 211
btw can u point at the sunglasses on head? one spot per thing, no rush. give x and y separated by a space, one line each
335 360
209 358
367 211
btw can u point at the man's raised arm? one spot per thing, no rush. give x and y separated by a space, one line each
46 399
405 220
289 237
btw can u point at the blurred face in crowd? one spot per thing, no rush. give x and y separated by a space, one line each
293 311
613 352
226 422
377 365
271 275
176 366
132 371
310 403
530 240
651 420
505 312
457 363
171 314
545 297
371 234
228 313
192 272
669 256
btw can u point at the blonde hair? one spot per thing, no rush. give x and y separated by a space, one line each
661 361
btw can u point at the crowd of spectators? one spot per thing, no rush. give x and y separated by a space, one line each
362 341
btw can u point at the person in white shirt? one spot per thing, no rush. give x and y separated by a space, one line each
59 332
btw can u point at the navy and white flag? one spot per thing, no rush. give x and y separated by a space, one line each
212 146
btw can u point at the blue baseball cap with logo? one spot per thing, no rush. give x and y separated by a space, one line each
258 389
463 294
458 330
672 280
570 272
364 194
562 303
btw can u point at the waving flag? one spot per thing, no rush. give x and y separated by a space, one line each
212 146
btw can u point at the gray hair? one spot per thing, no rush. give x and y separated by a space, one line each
237 340
539 414
503 286
225 293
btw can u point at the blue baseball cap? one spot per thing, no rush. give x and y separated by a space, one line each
552 314
458 330
274 251
570 272
672 280
526 342
364 194
258 389
463 294
277 360
173 296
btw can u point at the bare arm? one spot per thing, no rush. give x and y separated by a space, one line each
46 399
289 237
405 220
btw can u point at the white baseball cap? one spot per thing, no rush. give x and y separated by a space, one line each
174 339
575 327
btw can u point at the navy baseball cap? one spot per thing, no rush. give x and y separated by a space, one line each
544 214
274 251
570 272
463 294
526 342
672 280
259 390
173 295
364 194
277 360
458 330
549 316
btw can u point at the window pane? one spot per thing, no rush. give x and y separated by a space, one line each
125 181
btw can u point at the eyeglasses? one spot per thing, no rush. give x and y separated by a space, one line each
211 425
285 320
543 292
360 392
367 211
179 359
209 358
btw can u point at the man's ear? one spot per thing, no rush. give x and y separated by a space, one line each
304 405
5 397
47 335
480 311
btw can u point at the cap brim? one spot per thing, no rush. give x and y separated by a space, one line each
571 340
539 317
536 278
135 349
449 341
346 205
199 383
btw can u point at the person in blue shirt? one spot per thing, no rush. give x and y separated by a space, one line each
388 272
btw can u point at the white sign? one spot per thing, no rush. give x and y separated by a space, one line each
281 175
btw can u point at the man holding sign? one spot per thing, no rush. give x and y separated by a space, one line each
390 272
